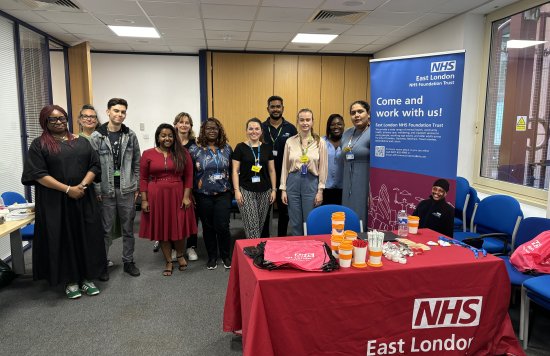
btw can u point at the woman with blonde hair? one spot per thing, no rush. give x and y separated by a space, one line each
304 172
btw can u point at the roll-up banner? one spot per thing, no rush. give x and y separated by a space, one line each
415 124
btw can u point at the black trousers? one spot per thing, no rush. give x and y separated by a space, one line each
282 226
214 212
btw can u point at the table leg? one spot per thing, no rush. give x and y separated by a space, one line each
17 258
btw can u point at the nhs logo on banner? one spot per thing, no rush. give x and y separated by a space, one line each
432 313
445 66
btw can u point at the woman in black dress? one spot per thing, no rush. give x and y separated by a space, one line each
68 246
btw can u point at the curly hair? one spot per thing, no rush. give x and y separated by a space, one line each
181 115
47 140
177 150
221 141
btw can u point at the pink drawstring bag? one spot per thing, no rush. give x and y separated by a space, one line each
534 255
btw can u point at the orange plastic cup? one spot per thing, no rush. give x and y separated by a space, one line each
413 222
350 235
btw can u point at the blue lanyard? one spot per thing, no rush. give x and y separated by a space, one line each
215 158
256 159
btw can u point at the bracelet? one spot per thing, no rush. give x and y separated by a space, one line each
67 191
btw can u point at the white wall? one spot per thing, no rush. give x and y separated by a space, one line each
462 32
156 87
59 90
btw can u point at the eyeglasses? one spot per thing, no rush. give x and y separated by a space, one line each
54 119
88 117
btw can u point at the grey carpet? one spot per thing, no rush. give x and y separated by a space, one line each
146 315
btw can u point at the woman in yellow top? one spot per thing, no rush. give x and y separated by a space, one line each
304 172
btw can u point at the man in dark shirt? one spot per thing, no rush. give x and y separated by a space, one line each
276 131
435 213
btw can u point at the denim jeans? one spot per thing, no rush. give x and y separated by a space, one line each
124 206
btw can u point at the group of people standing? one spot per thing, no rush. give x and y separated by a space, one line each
87 181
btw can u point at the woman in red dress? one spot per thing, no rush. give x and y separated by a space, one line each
166 181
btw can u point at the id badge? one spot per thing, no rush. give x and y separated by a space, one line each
217 176
350 156
117 173
275 153
256 168
303 169
256 179
304 159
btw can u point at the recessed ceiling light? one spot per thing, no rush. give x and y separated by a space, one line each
133 31
522 43
313 38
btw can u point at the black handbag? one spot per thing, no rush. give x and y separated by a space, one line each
6 274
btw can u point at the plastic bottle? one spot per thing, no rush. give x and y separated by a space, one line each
402 228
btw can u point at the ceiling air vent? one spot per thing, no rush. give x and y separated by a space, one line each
342 17
50 4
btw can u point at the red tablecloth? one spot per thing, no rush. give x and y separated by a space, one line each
442 302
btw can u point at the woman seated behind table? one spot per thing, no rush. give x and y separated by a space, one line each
435 213
254 178
68 246
166 180
304 172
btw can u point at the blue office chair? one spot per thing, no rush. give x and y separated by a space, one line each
9 198
319 220
495 220
462 198
536 289
472 202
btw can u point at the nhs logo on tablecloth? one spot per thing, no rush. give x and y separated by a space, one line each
445 66
432 313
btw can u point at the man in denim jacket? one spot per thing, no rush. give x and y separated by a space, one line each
119 154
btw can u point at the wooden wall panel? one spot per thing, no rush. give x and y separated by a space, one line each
356 83
332 88
309 86
242 83
285 84
208 83
80 79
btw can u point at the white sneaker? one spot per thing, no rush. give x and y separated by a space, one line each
191 254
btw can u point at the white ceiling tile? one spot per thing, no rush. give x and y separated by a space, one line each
330 28
370 30
87 29
189 42
227 25
183 34
68 38
410 6
342 47
371 48
362 40
122 47
302 47
149 48
177 22
69 17
186 49
389 39
455 7
122 20
340 5
226 35
430 19
273 36
231 2
27 16
381 17
7 5
189 11
227 12
285 14
302 4
272 26
233 45
263 45
491 6
104 39
50 28
112 7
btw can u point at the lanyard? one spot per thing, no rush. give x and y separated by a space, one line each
350 145
304 151
273 140
256 159
215 158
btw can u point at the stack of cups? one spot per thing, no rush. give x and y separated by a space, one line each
337 235
345 253
413 222
350 235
